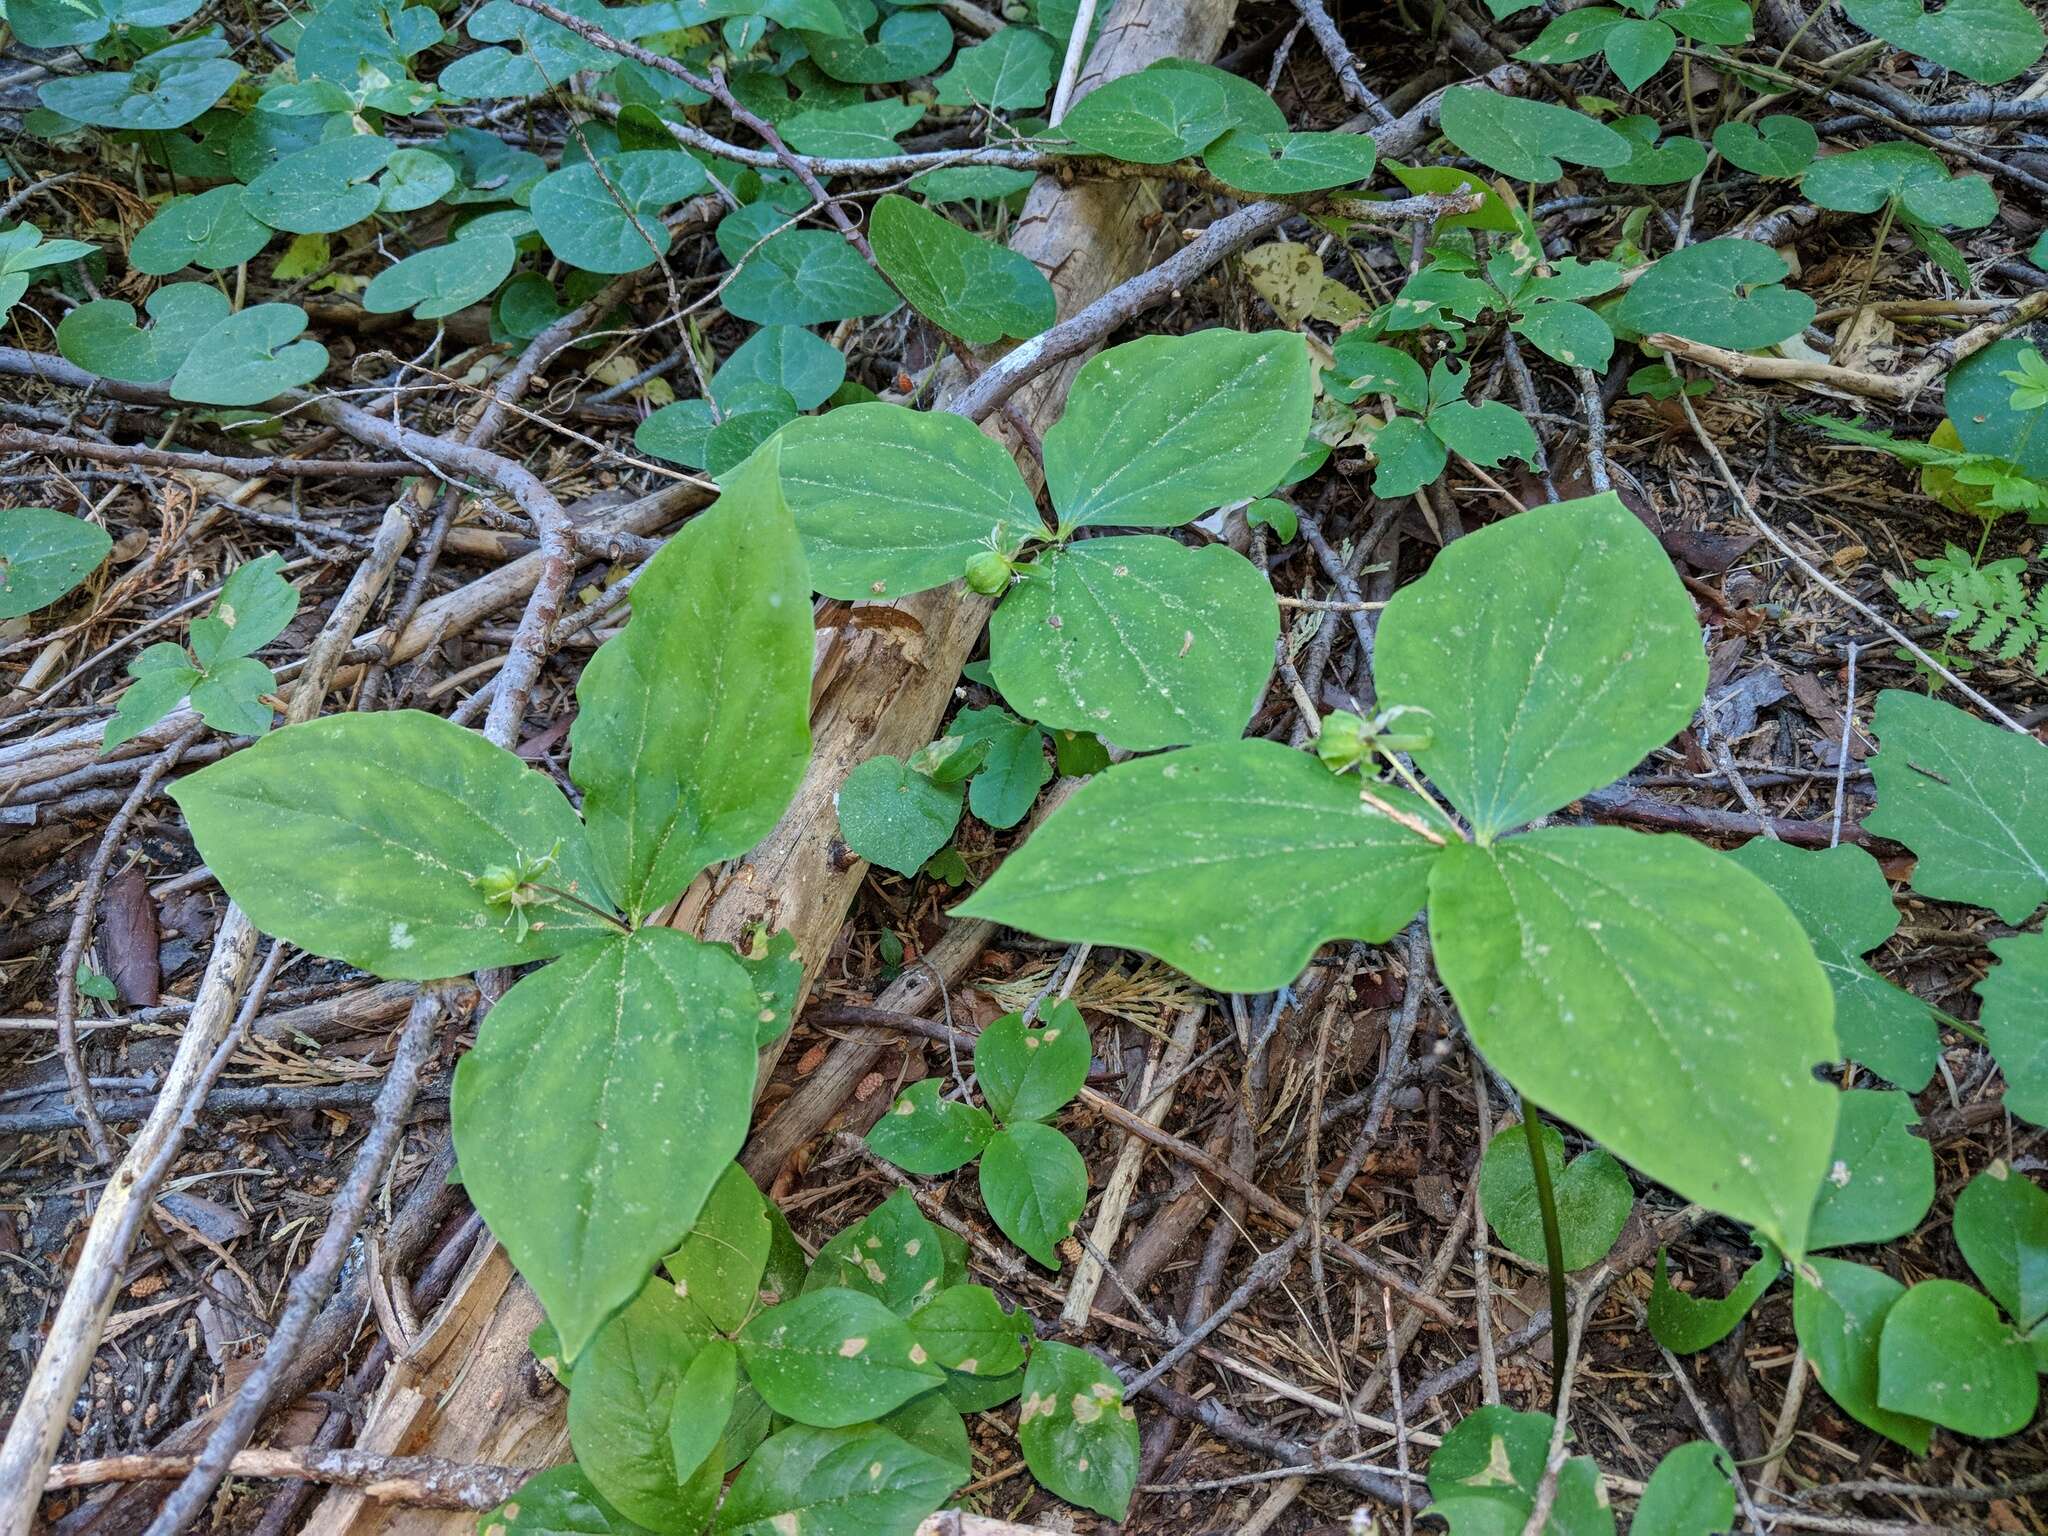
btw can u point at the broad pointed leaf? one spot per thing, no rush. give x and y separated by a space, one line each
807 277
1079 1437
1153 117
1011 71
442 279
1778 146
1035 1186
1138 638
2001 1224
694 725
362 837
925 1132
43 555
250 357
1289 164
836 1482
1032 1072
211 230
892 501
1990 41
606 216
1486 1474
1554 650
1592 1197
1688 1495
835 1357
894 816
1160 430
976 289
1231 862
965 1328
603 1100
1656 996
1880 1179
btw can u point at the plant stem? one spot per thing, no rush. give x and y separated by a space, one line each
1553 1246
577 901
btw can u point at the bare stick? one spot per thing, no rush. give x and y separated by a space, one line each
1070 66
1324 31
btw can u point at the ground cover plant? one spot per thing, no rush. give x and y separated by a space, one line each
863 766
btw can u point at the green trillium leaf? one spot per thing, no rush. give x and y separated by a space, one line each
1138 638
1681 976
693 728
605 1097
1585 586
1231 862
1130 453
363 837
719 1266
892 501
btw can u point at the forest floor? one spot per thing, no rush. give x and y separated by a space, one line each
1365 1052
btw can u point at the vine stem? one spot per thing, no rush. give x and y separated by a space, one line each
1553 1244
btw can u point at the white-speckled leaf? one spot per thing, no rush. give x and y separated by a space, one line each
1140 639
1658 997
605 1096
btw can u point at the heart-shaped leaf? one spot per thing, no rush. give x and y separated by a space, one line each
863 130
1230 862
320 190
102 336
1688 1495
1012 71
442 279
1577 945
605 1096
211 230
2015 995
1078 1436
1486 1474
1153 117
894 816
1160 430
807 277
1843 901
1290 163
1880 1180
165 89
1948 1357
906 45
1776 147
1970 800
1656 161
1527 139
1140 639
249 358
1991 41
73 23
788 358
2001 1224
605 216
1838 1315
1726 293
974 288
43 555
1592 1196
1584 585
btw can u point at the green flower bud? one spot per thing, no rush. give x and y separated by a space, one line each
1343 742
988 572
